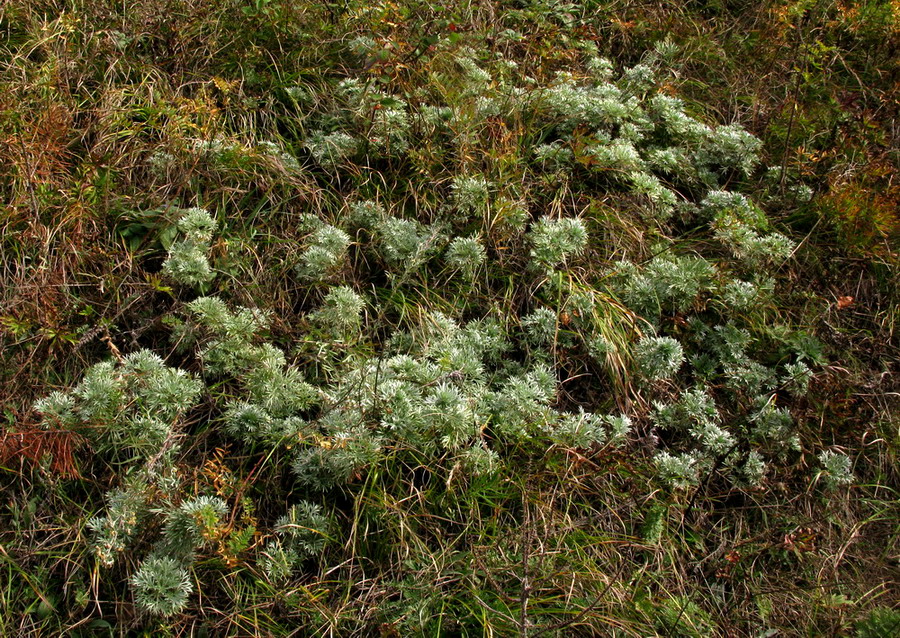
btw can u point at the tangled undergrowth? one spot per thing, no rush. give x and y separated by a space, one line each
506 318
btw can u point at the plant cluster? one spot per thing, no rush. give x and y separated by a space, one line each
447 320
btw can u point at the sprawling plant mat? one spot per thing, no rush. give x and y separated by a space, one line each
450 319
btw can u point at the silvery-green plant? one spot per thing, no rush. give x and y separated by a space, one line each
126 510
734 206
751 471
696 413
471 193
435 118
389 131
325 251
230 345
477 79
405 243
749 246
479 460
598 106
331 150
305 528
678 470
540 327
796 378
619 157
600 347
129 409
187 262
670 161
340 312
639 79
161 586
466 255
836 469
218 151
278 561
740 296
584 429
366 213
301 533
190 525
161 163
338 458
662 199
666 282
275 152
731 147
658 358
554 240
297 94
773 427
556 156
601 68
451 413
247 421
521 402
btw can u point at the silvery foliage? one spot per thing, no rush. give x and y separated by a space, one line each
340 312
636 136
161 586
433 119
758 431
556 156
128 409
389 132
665 283
479 460
324 251
331 150
663 200
187 262
369 121
540 327
836 469
583 429
772 428
600 347
218 151
658 357
740 296
466 255
598 105
678 470
440 397
796 378
161 163
726 357
406 244
471 193
366 213
553 240
300 534
230 346
742 227
126 510
696 413
749 246
749 472
190 526
476 78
